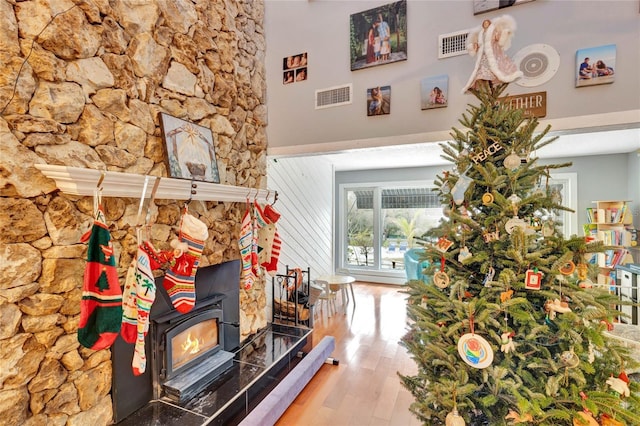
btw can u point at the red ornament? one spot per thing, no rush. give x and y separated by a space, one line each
533 279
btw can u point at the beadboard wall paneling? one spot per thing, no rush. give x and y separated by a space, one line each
305 191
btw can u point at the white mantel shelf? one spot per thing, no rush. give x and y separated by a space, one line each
82 181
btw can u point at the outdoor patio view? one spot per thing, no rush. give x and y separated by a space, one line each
383 225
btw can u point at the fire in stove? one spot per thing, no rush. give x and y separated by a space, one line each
192 345
191 342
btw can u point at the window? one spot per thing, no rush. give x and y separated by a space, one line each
381 223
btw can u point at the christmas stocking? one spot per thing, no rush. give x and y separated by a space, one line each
101 305
129 308
245 244
272 266
179 280
145 295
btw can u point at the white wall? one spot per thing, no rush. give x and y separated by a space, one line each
321 28
305 190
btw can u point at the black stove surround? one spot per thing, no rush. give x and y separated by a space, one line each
217 296
258 365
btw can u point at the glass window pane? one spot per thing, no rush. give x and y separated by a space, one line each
359 228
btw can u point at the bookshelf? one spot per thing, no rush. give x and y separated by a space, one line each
609 222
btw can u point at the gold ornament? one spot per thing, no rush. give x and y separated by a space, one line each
487 198
454 419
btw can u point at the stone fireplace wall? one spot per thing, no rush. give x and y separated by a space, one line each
81 84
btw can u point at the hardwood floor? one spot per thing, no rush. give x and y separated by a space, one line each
364 389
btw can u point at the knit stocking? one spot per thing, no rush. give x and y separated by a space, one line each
272 266
245 244
179 280
101 304
129 308
145 295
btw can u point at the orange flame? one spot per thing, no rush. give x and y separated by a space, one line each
191 345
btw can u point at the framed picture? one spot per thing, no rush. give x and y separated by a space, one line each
595 65
379 100
378 36
482 6
294 68
190 150
434 92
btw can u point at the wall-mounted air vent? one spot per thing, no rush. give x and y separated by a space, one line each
334 96
452 44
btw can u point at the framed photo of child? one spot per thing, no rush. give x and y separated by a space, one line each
379 100
434 92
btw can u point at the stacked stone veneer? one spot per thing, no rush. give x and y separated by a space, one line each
81 84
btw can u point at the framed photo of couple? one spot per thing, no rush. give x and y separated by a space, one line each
378 36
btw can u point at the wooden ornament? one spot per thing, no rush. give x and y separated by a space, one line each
515 222
584 419
583 269
441 279
605 420
454 419
568 268
443 244
475 350
533 279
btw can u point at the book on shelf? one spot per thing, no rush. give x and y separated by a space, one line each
609 215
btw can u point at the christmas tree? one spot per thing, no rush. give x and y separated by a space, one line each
511 329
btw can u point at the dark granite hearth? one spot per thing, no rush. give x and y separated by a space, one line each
258 366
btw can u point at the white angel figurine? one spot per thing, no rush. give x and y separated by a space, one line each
489 43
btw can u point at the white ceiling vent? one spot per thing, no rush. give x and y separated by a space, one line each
334 96
452 44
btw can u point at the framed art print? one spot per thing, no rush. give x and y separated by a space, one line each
482 6
294 68
190 150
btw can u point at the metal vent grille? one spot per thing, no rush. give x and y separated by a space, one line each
334 96
452 44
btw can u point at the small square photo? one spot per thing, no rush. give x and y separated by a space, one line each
595 65
379 100
434 92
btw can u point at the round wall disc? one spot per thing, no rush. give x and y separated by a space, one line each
538 63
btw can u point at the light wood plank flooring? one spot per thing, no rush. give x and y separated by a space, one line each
364 389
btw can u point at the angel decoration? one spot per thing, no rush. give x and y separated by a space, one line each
489 43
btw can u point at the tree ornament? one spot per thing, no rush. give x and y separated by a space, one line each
583 418
567 268
454 419
515 222
460 187
489 277
506 295
518 418
506 342
533 279
441 279
464 254
548 228
512 161
618 386
474 349
443 244
491 236
487 198
606 420
555 306
570 359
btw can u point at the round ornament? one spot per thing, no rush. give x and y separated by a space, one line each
515 222
454 419
512 161
441 279
568 268
570 359
487 198
475 350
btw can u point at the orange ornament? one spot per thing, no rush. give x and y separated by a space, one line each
605 420
585 419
